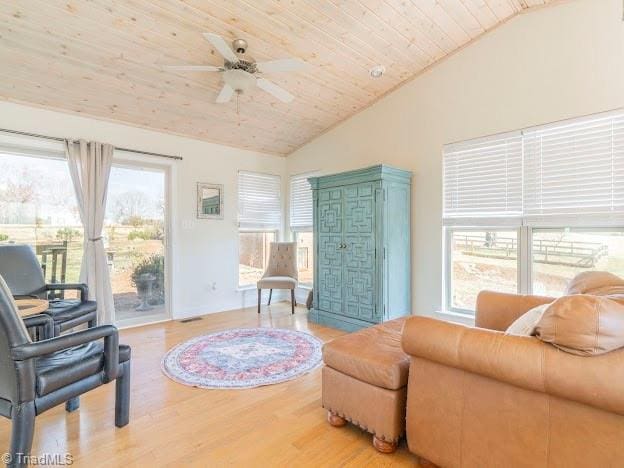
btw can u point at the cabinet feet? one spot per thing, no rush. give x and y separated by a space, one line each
335 420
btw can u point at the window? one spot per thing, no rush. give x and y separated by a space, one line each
305 257
301 226
481 259
134 238
38 206
559 254
253 254
512 204
259 217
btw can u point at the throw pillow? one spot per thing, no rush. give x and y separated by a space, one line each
526 323
597 283
582 324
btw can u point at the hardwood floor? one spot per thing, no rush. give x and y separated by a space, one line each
176 425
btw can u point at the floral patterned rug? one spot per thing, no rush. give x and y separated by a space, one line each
243 358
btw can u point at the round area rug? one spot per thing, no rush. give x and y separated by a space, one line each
243 358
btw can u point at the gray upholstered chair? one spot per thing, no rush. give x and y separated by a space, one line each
23 274
34 377
281 273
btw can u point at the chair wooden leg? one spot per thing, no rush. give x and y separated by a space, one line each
122 395
259 299
72 405
270 295
292 300
383 446
22 430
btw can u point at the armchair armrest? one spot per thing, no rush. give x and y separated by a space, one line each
496 311
522 361
83 288
41 320
111 347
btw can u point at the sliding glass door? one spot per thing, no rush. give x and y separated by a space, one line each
135 238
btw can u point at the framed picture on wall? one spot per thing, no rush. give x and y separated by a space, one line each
209 201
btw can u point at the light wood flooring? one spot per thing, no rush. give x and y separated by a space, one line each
176 425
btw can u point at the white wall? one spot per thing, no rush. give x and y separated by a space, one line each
205 251
550 64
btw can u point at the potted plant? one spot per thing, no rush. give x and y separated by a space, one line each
148 277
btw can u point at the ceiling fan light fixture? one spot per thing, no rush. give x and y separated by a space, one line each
377 71
239 80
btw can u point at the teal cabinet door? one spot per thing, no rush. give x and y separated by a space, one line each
359 271
330 265
362 247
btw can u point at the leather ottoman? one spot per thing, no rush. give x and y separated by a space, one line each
365 382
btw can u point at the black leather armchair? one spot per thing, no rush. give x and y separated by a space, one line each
36 376
22 272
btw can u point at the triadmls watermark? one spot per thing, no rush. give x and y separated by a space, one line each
44 459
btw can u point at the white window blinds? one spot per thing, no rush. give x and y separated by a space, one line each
562 169
259 201
483 178
300 203
575 167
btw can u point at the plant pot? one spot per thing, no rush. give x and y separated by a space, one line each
145 285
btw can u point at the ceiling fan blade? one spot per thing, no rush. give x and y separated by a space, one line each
222 47
272 88
226 94
193 68
283 65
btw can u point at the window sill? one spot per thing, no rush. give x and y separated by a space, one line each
457 317
249 287
307 287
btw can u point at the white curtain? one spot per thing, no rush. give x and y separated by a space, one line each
89 165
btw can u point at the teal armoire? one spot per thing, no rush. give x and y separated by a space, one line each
361 247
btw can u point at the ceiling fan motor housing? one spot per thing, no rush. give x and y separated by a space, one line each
239 46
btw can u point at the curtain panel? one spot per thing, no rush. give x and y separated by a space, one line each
90 165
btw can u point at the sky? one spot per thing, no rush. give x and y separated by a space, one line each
49 178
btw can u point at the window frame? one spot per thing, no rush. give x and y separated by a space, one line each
525 254
134 161
256 228
307 231
527 223
447 283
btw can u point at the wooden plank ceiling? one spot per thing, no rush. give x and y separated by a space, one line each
103 58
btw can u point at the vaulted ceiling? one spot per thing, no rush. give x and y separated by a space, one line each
104 58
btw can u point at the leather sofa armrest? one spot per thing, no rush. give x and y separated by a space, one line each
522 361
111 347
496 311
83 288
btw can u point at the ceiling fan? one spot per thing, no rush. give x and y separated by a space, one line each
241 72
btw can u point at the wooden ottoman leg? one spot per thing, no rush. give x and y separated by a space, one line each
384 446
335 420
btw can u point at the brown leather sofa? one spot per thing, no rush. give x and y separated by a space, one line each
480 398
